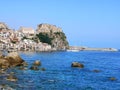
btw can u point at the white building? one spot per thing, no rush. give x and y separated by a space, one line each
27 31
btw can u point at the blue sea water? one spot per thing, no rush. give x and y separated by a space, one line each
59 74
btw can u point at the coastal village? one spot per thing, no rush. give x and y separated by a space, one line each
25 38
46 37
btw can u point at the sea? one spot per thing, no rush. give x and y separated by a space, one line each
99 68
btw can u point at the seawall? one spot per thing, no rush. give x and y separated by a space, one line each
81 48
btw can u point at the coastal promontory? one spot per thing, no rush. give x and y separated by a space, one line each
52 35
46 37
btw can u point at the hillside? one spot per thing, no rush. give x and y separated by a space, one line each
3 26
52 35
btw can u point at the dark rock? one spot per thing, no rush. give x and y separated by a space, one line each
5 87
4 64
37 63
77 64
25 64
14 59
22 68
2 71
34 68
112 79
43 69
96 71
11 77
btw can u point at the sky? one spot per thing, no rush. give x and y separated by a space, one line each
92 23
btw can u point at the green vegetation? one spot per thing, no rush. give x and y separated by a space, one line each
24 38
35 39
45 38
14 42
50 38
61 35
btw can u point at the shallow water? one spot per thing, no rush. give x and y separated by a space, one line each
59 74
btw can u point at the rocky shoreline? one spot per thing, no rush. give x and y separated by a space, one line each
13 60
6 62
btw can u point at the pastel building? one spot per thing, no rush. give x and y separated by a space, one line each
27 31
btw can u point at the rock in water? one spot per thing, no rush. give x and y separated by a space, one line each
37 63
25 64
6 87
22 68
77 64
42 69
11 78
14 59
112 78
96 71
34 68
4 64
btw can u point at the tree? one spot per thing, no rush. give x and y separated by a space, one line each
44 37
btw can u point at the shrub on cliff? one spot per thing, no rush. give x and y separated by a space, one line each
44 37
61 35
55 39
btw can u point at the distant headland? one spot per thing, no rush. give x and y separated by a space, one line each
83 48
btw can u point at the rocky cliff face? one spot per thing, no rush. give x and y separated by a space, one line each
3 26
52 35
12 59
47 28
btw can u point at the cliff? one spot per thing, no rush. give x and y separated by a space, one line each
3 26
47 28
52 35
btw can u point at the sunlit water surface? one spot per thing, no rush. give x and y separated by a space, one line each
59 74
